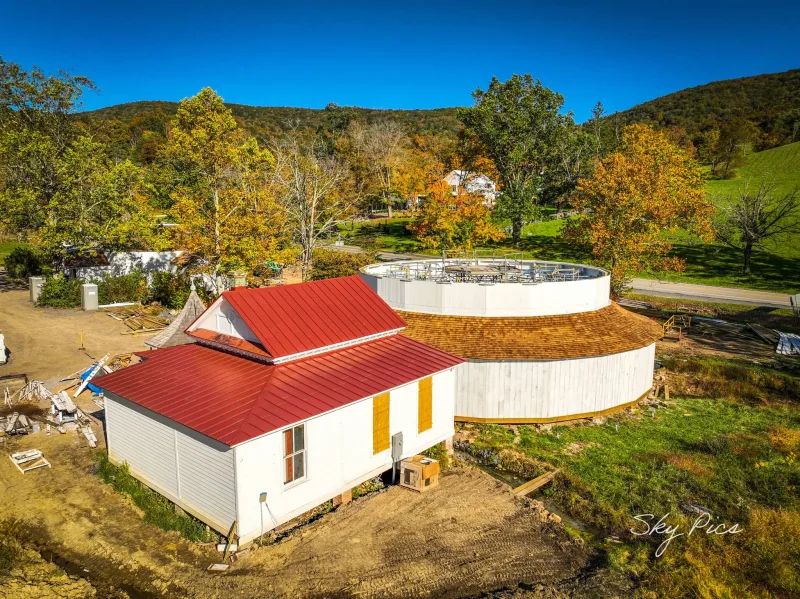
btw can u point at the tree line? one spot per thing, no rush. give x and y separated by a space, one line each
238 200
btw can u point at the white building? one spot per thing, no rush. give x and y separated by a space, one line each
290 397
120 263
473 183
542 341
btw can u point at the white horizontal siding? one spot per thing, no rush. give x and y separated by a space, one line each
147 446
550 389
191 470
206 478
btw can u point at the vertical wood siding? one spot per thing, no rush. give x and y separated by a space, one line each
425 405
179 463
548 389
380 423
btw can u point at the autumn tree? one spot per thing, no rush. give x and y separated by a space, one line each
756 218
58 187
314 190
226 213
446 221
518 124
36 129
99 205
650 186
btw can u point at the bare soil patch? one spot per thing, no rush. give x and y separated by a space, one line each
44 342
467 537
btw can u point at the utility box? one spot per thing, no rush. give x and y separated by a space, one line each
89 299
35 285
419 473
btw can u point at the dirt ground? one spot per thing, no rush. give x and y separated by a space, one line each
468 536
44 342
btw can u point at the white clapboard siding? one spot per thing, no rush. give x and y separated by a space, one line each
206 477
551 389
147 446
191 470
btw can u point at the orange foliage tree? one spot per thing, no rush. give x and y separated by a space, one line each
634 195
446 221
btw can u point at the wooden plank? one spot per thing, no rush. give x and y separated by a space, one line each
534 484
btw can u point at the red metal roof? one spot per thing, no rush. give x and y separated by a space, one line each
291 319
234 399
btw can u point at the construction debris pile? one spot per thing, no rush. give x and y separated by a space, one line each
137 319
786 344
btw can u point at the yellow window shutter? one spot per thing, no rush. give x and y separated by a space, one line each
380 423
425 404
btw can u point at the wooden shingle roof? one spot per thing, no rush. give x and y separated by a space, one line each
606 331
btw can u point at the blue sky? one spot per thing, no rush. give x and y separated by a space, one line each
399 54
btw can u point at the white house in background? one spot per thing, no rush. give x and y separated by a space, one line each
105 264
474 183
290 397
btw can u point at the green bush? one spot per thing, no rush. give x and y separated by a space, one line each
329 264
23 262
123 288
59 292
170 290
158 510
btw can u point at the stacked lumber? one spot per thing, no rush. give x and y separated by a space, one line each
137 320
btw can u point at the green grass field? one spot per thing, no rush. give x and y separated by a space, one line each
732 449
777 269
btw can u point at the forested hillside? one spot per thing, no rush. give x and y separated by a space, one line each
770 102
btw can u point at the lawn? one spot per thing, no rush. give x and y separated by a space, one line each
735 458
6 247
708 264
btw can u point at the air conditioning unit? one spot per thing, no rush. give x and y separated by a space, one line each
419 473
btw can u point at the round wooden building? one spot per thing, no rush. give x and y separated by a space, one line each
542 340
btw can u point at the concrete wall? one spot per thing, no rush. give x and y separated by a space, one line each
501 299
193 471
339 455
549 389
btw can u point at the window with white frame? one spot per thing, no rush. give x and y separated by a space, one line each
294 452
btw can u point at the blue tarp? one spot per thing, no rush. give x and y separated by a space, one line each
93 388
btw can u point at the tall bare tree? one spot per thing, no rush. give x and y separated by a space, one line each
381 145
758 217
314 191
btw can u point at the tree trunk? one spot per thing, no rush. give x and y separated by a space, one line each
748 253
516 230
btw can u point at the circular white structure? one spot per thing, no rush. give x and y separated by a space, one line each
542 340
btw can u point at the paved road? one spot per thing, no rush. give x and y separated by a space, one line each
706 293
709 293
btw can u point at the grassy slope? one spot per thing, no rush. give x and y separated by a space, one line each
737 459
775 270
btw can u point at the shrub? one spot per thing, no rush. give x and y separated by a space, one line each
123 288
329 264
59 292
24 262
439 452
170 290
157 509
